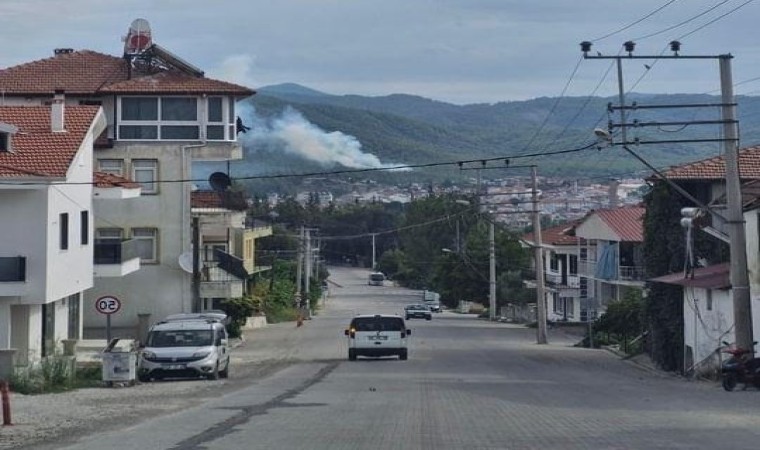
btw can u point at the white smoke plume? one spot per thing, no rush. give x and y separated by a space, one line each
292 133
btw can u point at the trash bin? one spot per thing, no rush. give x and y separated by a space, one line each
118 366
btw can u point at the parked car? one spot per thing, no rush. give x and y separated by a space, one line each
186 345
377 335
418 311
434 305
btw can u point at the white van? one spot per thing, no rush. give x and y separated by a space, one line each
376 279
377 335
186 345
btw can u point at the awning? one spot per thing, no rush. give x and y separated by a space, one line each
711 277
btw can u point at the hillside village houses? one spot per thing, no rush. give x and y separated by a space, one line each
578 284
81 117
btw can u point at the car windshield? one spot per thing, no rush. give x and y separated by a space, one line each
180 338
377 324
415 307
377 277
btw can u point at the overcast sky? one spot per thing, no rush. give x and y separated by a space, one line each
459 51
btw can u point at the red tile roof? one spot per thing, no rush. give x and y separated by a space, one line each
109 180
36 150
715 168
627 222
556 235
86 72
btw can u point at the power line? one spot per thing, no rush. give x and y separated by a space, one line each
716 19
692 18
636 21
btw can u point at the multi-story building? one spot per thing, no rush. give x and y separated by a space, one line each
162 114
46 214
610 258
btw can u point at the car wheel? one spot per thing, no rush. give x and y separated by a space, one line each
143 378
351 354
429 318
214 375
403 355
226 372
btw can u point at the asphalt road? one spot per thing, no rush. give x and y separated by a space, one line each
468 384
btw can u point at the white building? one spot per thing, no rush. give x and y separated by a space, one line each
46 214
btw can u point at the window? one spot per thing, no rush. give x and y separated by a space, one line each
5 142
569 306
109 233
556 303
554 262
112 166
63 229
176 118
84 231
709 300
147 245
573 264
145 172
73 304
209 251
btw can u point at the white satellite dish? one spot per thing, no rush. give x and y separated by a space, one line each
186 261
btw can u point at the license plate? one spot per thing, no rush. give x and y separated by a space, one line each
378 338
174 367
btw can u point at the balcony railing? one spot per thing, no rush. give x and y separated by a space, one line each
113 251
12 268
228 264
624 273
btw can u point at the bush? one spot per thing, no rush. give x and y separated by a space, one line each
55 373
239 310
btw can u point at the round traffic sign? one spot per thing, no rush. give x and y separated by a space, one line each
107 304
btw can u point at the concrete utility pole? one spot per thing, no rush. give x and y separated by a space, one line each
734 219
307 268
373 251
492 271
738 273
539 257
299 264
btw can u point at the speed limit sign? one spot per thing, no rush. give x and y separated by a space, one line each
107 304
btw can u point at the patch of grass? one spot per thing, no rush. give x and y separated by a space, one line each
54 374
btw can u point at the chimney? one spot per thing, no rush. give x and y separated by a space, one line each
57 109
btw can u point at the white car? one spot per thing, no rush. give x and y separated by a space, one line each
186 345
377 335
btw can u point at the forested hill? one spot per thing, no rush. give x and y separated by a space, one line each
403 128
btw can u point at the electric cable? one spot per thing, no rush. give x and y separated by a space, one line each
636 22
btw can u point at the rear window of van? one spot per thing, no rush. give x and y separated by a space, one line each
377 324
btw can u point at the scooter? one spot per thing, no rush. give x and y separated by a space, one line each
741 367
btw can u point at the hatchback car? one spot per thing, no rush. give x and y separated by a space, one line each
418 312
377 335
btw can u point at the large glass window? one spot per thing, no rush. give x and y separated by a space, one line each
139 108
147 244
145 172
179 109
84 230
63 229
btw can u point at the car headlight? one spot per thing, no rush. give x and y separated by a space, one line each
201 355
148 355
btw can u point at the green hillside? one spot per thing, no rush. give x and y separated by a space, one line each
406 129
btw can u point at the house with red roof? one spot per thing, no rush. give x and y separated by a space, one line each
708 313
560 257
162 114
610 258
46 214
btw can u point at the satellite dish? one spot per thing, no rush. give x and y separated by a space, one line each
138 37
219 181
186 262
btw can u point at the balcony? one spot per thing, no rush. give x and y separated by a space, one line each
12 275
224 277
115 258
629 274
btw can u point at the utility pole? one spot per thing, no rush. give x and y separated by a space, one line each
373 250
492 271
307 268
734 219
539 257
738 272
299 267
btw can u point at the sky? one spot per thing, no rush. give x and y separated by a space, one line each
456 51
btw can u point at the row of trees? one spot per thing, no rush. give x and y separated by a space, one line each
435 243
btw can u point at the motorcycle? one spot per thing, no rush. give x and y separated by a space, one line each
741 367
